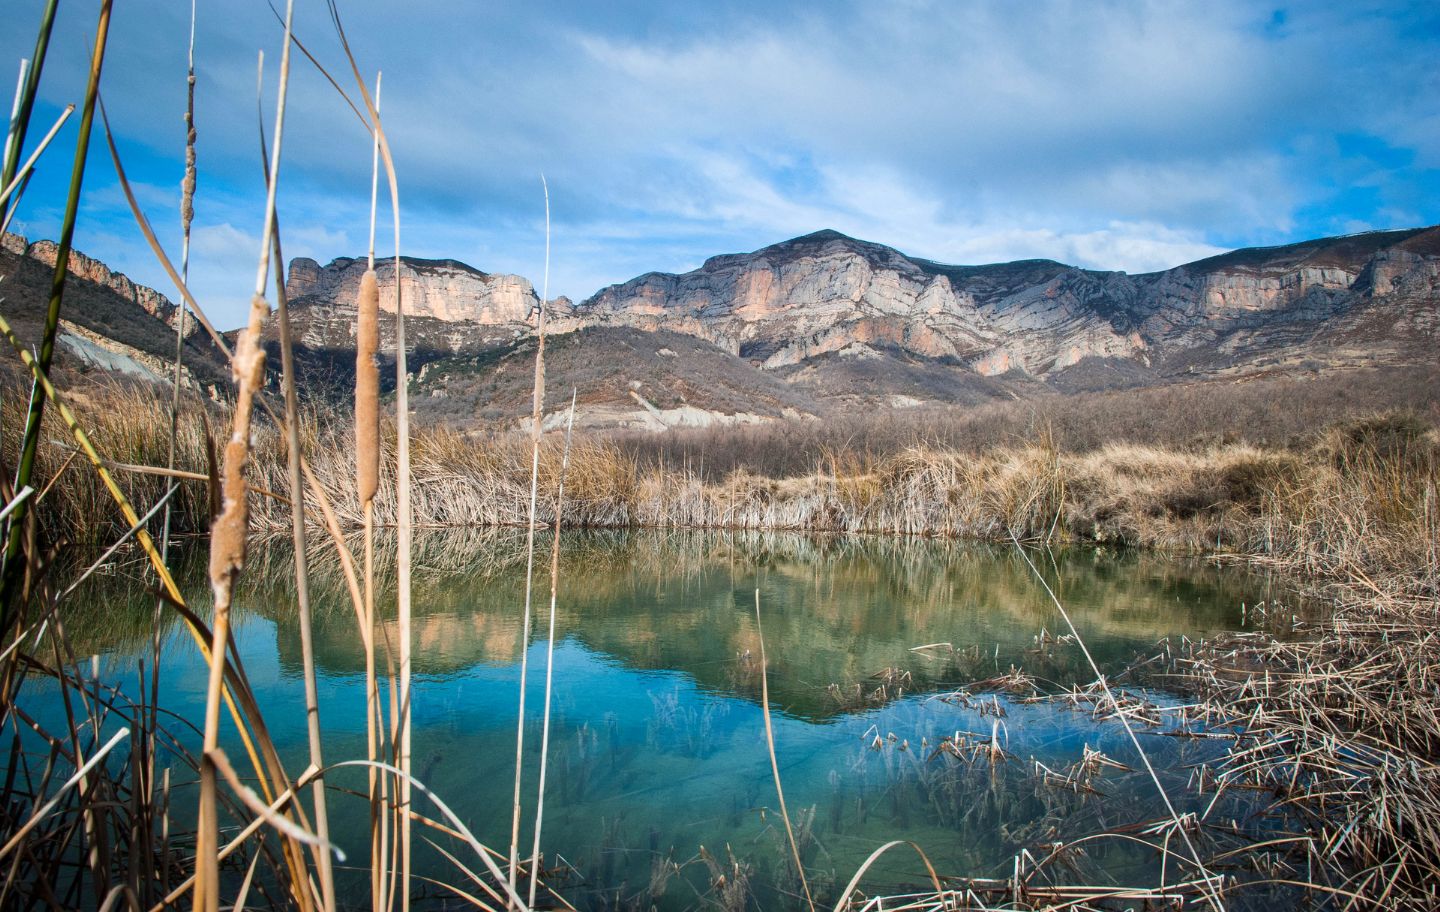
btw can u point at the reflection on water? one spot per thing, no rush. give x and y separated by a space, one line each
659 772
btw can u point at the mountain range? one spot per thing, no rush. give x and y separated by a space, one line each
825 323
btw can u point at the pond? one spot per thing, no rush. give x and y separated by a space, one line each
659 779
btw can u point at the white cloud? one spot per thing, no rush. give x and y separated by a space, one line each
1114 134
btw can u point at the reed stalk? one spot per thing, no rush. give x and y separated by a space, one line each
404 519
367 474
12 126
775 763
228 536
14 188
302 572
536 417
1212 896
10 573
187 217
25 104
550 650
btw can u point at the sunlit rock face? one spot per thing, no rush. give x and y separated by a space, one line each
826 293
828 322
92 270
445 290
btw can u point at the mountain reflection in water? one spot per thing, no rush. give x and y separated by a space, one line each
658 744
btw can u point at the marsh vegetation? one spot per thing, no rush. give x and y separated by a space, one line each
164 738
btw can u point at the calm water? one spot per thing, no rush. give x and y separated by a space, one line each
658 746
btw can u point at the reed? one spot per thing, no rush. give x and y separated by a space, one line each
9 572
367 482
536 416
230 530
148 824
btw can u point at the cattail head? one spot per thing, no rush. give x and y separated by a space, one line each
228 534
367 389
187 186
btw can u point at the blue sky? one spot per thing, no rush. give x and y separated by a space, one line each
1114 135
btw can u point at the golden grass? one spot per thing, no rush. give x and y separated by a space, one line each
1360 494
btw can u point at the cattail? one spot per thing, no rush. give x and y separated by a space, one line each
227 535
367 389
187 186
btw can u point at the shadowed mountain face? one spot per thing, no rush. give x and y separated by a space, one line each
109 325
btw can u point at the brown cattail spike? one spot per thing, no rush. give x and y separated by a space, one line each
367 389
187 186
227 535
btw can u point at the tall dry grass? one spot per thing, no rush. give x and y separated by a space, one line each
1356 494
76 840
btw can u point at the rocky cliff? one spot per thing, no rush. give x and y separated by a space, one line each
826 293
95 272
446 290
846 323
110 324
817 324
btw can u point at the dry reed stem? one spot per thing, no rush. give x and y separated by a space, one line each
228 537
550 650
229 532
537 413
17 528
844 902
404 514
29 165
187 217
775 763
1212 896
367 385
302 574
172 590
235 689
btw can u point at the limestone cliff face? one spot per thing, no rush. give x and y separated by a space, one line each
444 290
823 293
148 299
108 322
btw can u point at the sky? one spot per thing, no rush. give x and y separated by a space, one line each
1110 135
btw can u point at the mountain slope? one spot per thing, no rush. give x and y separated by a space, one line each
108 324
1329 301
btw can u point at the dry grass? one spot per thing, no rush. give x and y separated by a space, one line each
1358 494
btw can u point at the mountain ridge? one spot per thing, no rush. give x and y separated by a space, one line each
840 322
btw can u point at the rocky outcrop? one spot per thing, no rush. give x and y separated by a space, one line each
81 266
446 290
109 323
827 293
812 324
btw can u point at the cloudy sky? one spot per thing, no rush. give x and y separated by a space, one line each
1115 135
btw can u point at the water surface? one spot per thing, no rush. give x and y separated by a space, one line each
659 776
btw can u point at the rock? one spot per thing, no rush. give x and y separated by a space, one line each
446 290
303 278
81 266
826 293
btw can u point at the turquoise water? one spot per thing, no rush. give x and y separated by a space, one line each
659 779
